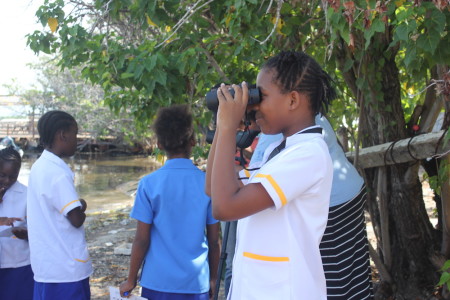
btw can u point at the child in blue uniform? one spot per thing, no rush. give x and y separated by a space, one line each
180 257
283 207
16 276
59 255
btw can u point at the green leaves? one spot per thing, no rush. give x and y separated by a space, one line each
123 46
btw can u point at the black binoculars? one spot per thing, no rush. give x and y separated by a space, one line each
212 103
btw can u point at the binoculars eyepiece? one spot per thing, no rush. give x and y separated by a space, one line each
212 102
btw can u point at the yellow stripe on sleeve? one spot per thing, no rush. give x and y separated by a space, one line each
247 173
68 205
265 258
275 186
81 260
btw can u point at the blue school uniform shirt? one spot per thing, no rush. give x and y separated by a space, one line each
347 182
173 200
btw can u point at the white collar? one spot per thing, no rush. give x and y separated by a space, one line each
56 160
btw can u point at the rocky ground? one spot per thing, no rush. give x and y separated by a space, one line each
106 232
110 233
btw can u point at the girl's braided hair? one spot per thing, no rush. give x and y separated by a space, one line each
50 123
297 71
10 155
174 129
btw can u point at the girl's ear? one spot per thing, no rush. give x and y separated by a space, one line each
59 136
295 100
62 135
298 100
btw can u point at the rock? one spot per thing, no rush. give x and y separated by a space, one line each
123 249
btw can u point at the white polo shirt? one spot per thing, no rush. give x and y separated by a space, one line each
14 252
58 249
277 251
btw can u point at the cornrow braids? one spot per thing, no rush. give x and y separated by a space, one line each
50 123
297 71
174 129
10 155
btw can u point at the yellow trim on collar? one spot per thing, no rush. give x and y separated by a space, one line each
265 258
275 186
83 261
68 205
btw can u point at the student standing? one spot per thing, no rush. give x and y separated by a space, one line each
344 246
283 208
177 238
59 254
16 276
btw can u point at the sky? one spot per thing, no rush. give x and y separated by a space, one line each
17 18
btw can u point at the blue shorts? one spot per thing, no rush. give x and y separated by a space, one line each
17 283
155 295
78 290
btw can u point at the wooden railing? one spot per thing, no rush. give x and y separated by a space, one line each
18 128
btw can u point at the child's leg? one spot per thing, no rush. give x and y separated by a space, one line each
78 290
17 283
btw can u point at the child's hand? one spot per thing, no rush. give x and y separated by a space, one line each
125 288
83 205
2 193
8 221
212 289
20 233
231 109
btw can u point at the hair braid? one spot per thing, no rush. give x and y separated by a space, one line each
297 71
51 122
10 155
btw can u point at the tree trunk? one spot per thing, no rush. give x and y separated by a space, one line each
412 239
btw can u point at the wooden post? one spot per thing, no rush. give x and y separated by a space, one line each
445 199
32 125
384 216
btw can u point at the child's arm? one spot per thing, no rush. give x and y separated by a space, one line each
230 201
139 249
8 221
209 165
212 233
77 216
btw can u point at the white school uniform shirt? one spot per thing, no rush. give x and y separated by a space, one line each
58 249
14 252
277 250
